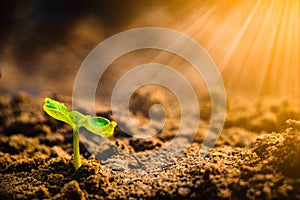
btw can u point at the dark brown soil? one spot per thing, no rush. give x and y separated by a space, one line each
256 157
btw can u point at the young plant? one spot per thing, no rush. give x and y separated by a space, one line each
97 125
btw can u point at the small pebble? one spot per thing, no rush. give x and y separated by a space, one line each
184 191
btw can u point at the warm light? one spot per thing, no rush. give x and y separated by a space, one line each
254 43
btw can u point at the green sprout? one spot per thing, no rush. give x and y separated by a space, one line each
97 125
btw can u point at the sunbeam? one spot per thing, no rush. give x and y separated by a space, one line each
255 44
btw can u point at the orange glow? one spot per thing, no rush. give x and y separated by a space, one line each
255 44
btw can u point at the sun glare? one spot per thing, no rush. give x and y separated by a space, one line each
255 44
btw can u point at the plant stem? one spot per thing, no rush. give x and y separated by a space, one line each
77 161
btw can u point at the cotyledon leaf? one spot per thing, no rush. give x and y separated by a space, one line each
58 111
101 126
98 125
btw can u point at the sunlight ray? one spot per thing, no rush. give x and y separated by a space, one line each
202 22
297 51
255 44
238 37
274 71
287 67
277 23
225 28
235 71
281 58
272 32
193 22
262 58
255 64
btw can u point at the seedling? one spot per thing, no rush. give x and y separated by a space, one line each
97 125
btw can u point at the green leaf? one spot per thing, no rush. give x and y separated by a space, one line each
101 126
58 111
97 125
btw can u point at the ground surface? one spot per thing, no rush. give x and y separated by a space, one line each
256 157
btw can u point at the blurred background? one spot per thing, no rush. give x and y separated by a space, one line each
255 44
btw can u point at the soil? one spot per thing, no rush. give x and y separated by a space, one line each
256 157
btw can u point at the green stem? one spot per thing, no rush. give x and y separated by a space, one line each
77 161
